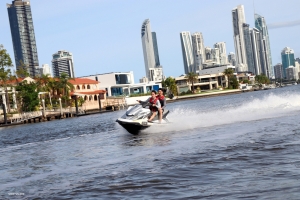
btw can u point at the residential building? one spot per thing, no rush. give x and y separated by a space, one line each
62 62
150 48
278 71
222 51
231 59
144 80
238 19
187 52
215 70
198 50
292 73
256 45
248 48
122 84
261 25
287 57
156 74
203 82
155 49
45 69
23 37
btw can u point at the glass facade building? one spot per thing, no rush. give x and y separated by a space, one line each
187 52
288 59
155 48
62 62
261 25
23 37
248 48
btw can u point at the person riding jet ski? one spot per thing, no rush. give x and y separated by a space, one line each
155 105
162 101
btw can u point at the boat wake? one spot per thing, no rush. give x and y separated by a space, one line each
269 106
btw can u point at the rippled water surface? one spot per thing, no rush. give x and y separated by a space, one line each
237 146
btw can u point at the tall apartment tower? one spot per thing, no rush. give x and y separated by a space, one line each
278 71
187 52
155 49
238 19
147 42
255 37
231 58
222 50
62 62
23 38
261 25
288 59
198 50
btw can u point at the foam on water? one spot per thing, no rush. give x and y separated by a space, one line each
268 106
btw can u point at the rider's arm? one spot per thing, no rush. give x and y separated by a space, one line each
158 104
145 101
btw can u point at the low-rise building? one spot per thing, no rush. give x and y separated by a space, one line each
122 84
204 82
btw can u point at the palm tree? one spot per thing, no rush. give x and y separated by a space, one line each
171 84
229 73
65 85
192 77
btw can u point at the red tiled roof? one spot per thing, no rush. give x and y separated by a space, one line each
78 81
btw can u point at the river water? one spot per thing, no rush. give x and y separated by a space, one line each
242 146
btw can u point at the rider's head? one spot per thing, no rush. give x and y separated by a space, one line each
160 91
153 93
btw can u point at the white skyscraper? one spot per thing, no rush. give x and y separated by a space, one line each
147 42
238 19
198 50
45 69
222 50
187 52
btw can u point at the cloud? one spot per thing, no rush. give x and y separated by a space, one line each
284 24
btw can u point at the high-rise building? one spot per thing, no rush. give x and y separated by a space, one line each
261 25
148 50
187 52
198 50
248 48
62 62
223 55
45 69
238 19
257 52
287 57
278 71
231 58
155 48
292 73
23 38
215 56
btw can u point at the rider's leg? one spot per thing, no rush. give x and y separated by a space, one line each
160 114
152 116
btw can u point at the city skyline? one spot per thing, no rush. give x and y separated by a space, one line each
130 57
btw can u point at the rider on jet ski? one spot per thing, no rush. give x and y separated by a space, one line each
155 104
162 101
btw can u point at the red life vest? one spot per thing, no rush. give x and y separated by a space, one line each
161 100
153 101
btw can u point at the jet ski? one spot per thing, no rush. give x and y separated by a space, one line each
136 118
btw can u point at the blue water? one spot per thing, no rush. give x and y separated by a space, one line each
242 146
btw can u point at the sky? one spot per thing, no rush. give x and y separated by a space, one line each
105 35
